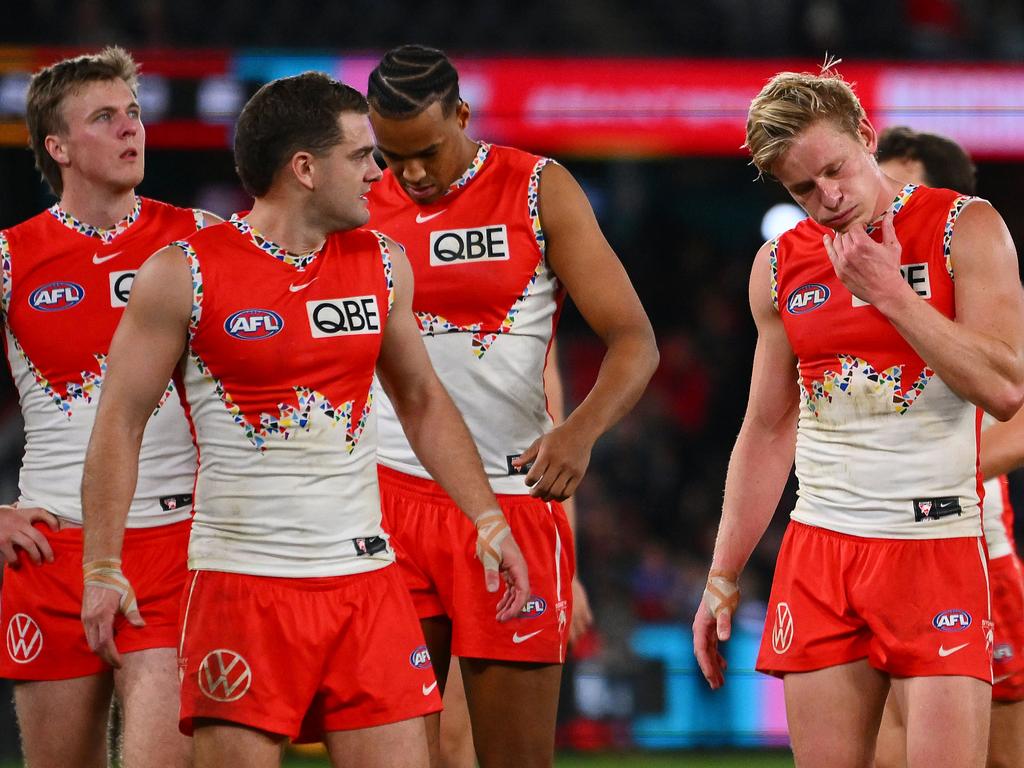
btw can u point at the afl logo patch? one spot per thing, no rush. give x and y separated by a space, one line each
420 658
254 324
953 620
54 297
807 298
533 608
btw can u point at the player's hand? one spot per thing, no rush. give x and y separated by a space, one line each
870 270
502 561
106 593
582 616
713 624
16 531
557 462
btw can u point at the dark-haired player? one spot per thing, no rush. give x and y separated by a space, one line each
294 623
66 277
495 237
936 161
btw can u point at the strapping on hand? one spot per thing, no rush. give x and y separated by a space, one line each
107 574
722 592
491 529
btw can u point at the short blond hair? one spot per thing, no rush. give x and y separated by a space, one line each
792 101
50 86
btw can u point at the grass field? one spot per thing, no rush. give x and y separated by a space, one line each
616 760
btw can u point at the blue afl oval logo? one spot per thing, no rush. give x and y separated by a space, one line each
420 658
807 298
953 620
253 324
533 607
53 297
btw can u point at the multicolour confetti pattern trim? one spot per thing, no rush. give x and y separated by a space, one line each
896 206
947 234
5 266
106 236
385 255
473 170
297 260
773 268
821 392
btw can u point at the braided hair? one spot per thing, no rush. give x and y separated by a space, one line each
409 79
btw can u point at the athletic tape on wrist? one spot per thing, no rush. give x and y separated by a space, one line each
107 574
722 592
491 530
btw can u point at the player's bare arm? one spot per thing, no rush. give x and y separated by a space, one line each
440 439
599 286
759 465
146 347
980 355
1002 447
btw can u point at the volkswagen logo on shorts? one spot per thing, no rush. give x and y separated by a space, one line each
952 620
420 658
24 638
533 607
224 676
54 297
782 632
807 298
254 324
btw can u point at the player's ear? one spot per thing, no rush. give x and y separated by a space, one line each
868 135
302 167
57 148
462 113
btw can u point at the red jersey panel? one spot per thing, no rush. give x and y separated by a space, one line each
884 447
486 302
278 382
65 286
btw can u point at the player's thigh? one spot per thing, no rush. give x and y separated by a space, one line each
64 722
947 720
833 714
456 734
395 745
891 749
512 706
220 744
148 689
1006 735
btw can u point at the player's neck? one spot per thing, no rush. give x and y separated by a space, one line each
285 226
96 207
467 154
886 194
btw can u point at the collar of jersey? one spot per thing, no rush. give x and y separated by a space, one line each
473 170
297 260
895 206
105 235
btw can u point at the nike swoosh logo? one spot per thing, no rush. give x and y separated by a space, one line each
943 652
428 689
97 259
517 638
421 219
293 288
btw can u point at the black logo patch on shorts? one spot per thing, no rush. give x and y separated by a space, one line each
168 503
933 509
513 469
370 545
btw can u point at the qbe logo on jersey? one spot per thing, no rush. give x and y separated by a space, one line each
24 638
56 296
120 287
469 246
224 675
343 317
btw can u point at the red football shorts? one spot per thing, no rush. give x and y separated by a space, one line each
41 605
302 656
911 607
435 544
1008 615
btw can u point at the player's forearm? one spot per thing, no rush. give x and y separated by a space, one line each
758 470
628 365
1002 447
108 485
442 442
980 368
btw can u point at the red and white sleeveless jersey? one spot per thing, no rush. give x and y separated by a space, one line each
65 287
998 512
884 447
278 387
486 302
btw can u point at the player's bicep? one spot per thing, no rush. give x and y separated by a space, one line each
583 260
151 337
989 298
